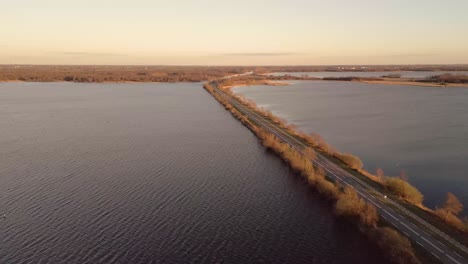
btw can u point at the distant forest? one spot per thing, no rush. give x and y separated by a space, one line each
57 73
87 74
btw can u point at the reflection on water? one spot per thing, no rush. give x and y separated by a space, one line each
422 131
151 173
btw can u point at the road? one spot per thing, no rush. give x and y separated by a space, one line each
440 245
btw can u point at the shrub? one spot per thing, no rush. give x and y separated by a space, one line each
326 188
350 160
349 204
453 205
404 189
319 141
392 75
449 212
450 218
394 245
310 153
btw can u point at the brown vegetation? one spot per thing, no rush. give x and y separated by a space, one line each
394 245
319 142
447 78
450 211
352 78
88 73
392 76
350 160
404 189
49 73
349 204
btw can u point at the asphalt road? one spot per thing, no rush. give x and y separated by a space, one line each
440 245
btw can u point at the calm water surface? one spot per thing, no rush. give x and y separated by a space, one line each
422 131
404 74
151 173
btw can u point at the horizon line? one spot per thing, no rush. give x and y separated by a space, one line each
238 65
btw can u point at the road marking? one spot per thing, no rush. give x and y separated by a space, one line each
420 244
409 228
405 233
391 215
452 258
380 207
457 254
374 203
432 244
435 255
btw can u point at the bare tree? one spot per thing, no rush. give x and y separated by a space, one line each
452 205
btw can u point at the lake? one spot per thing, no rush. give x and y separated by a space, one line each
422 131
151 173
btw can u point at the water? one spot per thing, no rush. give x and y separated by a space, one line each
151 173
422 131
404 74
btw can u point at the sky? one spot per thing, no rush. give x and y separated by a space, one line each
228 32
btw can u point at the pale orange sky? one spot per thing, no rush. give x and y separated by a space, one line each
233 32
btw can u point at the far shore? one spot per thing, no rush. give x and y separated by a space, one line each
390 82
105 82
267 83
283 83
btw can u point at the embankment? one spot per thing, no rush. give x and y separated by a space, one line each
347 203
397 187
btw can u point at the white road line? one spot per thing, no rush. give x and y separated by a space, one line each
436 247
420 244
375 204
452 258
425 233
457 254
409 228
405 233
435 255
392 216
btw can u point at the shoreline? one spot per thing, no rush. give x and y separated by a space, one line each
412 83
271 82
106 82
266 83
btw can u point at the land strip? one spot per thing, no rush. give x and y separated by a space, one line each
438 244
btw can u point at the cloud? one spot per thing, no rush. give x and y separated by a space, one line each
415 55
88 54
260 54
378 56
